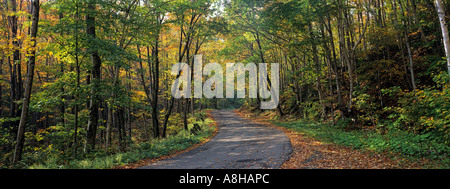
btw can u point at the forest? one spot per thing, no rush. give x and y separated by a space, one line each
86 83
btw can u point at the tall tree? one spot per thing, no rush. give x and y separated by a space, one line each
155 86
96 77
26 100
77 65
444 28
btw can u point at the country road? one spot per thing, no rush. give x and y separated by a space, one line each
239 144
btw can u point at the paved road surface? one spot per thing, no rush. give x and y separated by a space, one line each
239 144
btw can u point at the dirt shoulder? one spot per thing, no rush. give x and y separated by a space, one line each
310 153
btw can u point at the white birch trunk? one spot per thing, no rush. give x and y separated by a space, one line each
445 37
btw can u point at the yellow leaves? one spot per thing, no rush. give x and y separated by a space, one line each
16 13
27 45
140 93
138 96
6 49
39 137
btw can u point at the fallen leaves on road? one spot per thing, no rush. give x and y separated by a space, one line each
310 153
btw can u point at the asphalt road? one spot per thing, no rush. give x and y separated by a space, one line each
239 144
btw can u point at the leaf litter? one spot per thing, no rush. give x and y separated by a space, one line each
311 153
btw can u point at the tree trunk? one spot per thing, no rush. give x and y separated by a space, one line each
13 105
155 86
13 69
96 64
186 99
75 127
108 128
128 110
26 100
145 126
121 128
166 117
16 54
446 40
411 66
261 54
185 112
62 108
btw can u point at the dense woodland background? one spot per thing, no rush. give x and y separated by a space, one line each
100 69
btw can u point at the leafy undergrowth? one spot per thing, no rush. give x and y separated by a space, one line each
317 145
142 153
413 150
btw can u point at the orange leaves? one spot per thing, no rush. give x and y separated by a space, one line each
310 153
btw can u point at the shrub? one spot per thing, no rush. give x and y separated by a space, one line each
424 111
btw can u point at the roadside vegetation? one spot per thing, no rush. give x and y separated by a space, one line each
152 149
418 149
